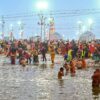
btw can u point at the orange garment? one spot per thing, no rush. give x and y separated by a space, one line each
52 57
83 63
72 69
52 53
79 64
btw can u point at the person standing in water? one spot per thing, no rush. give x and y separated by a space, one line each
52 54
96 78
61 73
43 52
72 68
13 55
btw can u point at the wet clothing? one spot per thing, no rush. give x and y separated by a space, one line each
60 74
35 56
72 68
43 52
12 57
96 79
83 63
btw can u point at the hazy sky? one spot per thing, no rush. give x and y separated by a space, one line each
64 24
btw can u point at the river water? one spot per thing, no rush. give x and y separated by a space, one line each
39 82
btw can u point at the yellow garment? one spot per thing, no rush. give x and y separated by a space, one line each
69 55
69 52
52 53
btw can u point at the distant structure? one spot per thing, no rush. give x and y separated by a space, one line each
87 36
55 36
35 38
52 26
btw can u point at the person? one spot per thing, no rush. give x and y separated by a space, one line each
86 49
96 78
43 52
20 52
13 55
96 56
69 54
65 57
35 56
23 61
27 56
83 64
61 73
72 68
59 50
52 50
75 49
83 53
91 49
66 66
79 64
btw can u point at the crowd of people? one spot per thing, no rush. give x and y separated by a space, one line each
74 53
28 49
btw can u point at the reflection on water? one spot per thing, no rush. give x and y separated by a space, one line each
52 65
39 82
43 66
61 82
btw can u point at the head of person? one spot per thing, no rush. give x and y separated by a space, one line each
97 71
61 69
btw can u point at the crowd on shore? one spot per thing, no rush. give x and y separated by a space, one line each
29 50
74 53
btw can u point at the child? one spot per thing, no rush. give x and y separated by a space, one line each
61 73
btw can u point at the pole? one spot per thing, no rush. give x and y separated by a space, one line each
41 26
11 33
80 30
49 32
44 29
3 25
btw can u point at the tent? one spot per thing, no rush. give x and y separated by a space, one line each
87 36
55 36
